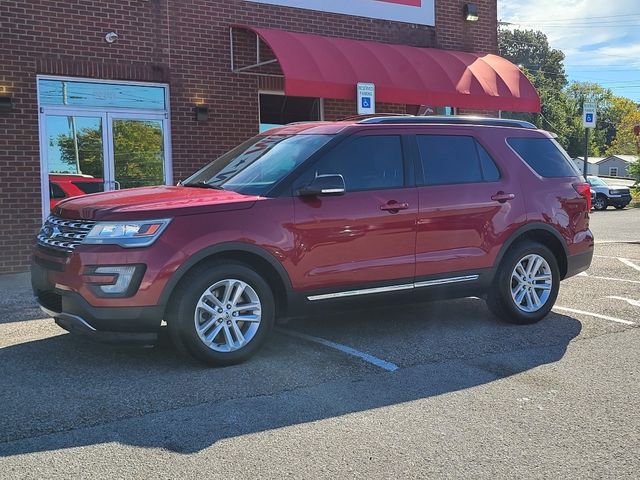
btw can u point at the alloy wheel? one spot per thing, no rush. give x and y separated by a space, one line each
227 315
531 283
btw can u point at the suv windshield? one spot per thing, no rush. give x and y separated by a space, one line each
596 182
259 163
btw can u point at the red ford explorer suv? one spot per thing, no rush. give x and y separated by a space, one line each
312 216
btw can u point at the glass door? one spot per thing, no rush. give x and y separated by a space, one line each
98 135
94 152
138 151
74 152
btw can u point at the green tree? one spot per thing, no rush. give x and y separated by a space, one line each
625 116
89 151
544 66
577 93
530 49
561 109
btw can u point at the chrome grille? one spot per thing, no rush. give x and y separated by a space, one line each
62 234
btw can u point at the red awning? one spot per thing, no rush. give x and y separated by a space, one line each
329 67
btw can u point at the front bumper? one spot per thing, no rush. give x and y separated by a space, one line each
135 324
621 201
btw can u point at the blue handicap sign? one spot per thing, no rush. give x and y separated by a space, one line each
589 117
366 102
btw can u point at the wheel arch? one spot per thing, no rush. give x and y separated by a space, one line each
256 257
541 233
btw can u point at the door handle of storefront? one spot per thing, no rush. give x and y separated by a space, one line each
502 197
113 183
394 207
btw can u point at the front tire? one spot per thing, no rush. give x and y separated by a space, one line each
600 203
526 285
221 313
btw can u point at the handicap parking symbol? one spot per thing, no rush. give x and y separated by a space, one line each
589 117
366 102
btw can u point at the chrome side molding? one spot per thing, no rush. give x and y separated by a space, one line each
394 288
445 281
366 291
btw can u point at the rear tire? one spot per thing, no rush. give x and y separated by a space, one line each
600 203
526 284
221 313
619 207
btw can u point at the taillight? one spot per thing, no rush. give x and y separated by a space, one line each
584 189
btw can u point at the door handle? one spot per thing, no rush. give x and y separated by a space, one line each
394 207
503 197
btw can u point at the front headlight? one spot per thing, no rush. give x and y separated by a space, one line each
126 234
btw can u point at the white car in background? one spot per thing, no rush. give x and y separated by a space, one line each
604 194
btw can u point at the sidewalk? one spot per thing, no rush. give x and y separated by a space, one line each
16 300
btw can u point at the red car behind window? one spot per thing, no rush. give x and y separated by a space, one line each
63 186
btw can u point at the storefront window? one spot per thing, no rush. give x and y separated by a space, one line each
278 110
104 95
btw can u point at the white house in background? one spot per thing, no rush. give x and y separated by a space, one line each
611 166
592 169
617 165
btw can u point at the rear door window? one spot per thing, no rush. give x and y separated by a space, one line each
451 159
545 156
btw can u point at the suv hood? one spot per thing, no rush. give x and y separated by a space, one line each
152 202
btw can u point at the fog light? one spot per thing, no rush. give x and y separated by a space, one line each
123 276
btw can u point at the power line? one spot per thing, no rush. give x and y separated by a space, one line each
635 57
596 17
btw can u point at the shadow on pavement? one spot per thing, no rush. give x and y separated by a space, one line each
61 392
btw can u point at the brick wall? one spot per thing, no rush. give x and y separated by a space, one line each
181 42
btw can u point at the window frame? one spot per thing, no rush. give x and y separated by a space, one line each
611 171
421 180
405 149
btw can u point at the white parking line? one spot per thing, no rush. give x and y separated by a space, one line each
605 242
595 315
635 303
629 263
391 367
585 274
615 258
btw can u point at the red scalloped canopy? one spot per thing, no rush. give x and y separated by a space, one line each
329 67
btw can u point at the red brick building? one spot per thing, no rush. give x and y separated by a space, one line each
90 87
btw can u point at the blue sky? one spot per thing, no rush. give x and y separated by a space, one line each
601 39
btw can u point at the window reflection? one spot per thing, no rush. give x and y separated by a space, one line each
138 149
91 94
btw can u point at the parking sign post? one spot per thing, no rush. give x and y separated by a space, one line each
589 117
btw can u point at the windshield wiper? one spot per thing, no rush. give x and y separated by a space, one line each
202 185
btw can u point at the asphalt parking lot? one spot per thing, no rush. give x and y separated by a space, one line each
429 390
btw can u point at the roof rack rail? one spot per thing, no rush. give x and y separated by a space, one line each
373 115
449 120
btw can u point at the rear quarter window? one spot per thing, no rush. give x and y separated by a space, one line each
545 156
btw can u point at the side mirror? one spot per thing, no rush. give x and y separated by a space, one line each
324 185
